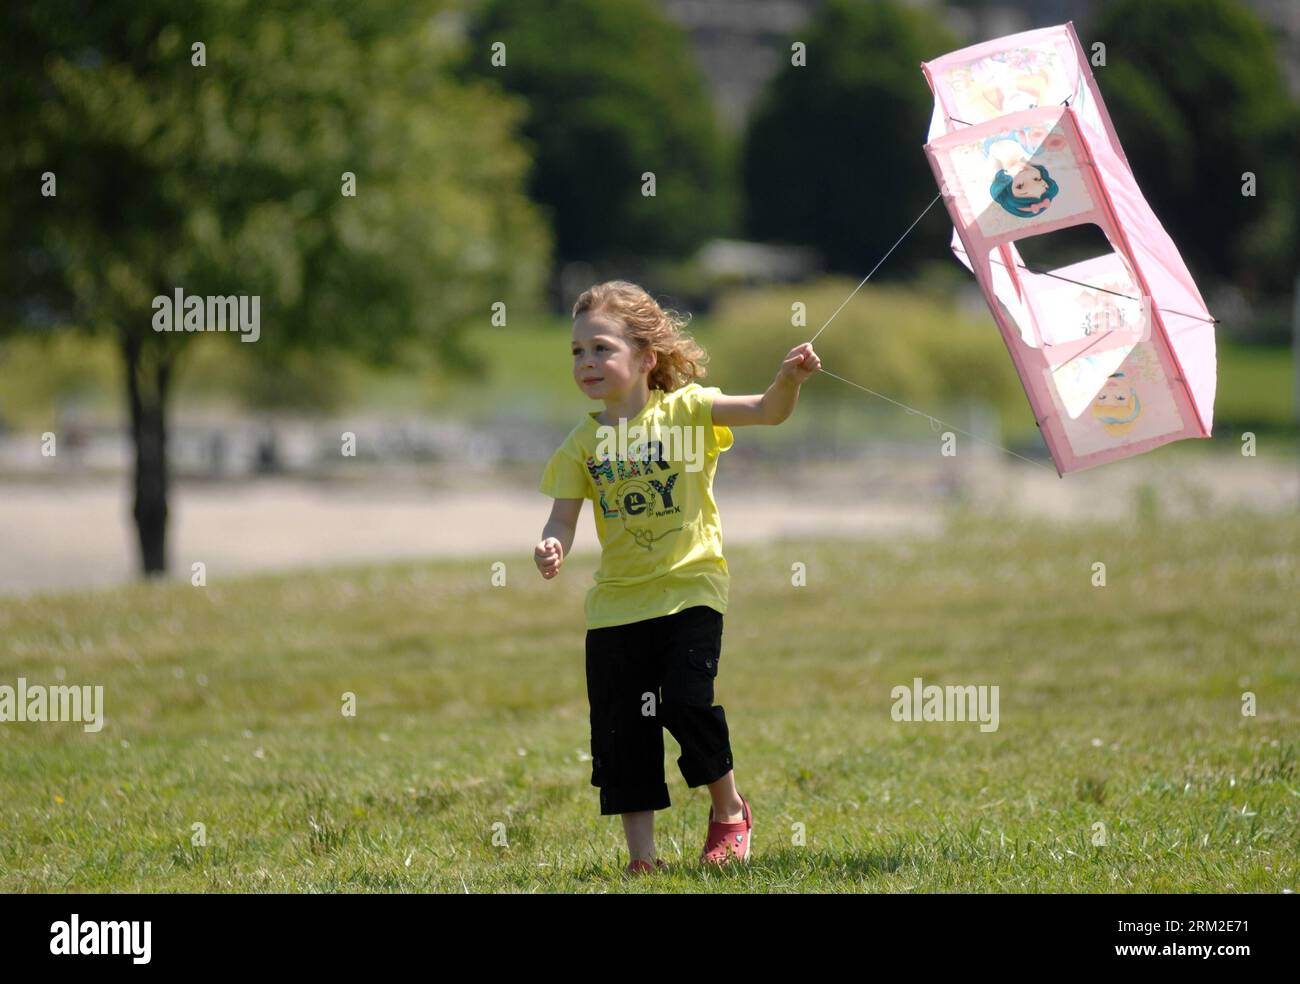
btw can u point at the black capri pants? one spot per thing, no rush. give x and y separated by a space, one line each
643 677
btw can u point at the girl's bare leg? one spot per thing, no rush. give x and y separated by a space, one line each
727 807
640 830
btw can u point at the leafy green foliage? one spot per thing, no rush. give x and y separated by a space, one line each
833 153
1198 98
613 92
227 178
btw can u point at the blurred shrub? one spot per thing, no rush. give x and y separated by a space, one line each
302 381
907 345
45 373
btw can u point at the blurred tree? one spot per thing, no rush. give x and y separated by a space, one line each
914 346
227 179
613 92
1198 98
833 155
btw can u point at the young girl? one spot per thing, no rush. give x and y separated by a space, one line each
654 616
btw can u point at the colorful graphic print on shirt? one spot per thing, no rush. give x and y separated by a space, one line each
640 490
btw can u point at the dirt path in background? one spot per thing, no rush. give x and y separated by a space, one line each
79 535
74 538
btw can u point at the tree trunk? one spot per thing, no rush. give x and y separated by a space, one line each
148 376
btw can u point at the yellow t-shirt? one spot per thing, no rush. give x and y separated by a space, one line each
657 522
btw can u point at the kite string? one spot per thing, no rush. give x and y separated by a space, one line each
1043 273
911 410
877 266
935 420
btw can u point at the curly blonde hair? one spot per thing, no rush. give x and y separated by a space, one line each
680 359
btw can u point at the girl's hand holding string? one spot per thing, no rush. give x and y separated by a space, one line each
801 363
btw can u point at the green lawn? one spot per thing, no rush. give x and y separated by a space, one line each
1256 386
1119 705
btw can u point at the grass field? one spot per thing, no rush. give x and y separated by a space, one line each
1119 705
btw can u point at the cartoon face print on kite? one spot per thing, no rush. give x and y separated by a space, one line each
1020 186
1117 405
1116 350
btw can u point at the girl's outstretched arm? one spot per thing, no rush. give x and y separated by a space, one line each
778 402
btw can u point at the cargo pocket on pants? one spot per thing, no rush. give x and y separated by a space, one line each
702 657
604 756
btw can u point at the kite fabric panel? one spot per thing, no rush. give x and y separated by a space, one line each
1116 353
